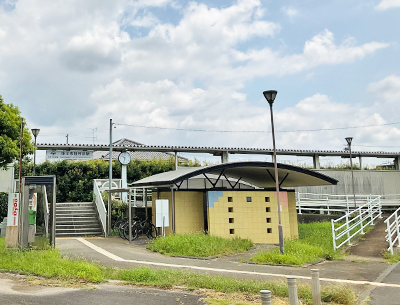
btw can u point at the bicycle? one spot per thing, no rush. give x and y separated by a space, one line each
143 227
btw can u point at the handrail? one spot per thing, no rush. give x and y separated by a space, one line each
393 229
340 203
360 217
101 208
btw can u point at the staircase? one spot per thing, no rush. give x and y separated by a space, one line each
77 219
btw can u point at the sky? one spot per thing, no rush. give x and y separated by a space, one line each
164 69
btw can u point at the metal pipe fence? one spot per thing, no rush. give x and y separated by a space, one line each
328 203
345 228
393 230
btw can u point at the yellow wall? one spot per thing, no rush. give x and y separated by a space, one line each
189 216
251 219
247 219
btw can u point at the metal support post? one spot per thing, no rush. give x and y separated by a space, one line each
109 182
333 234
292 287
130 215
348 231
173 209
265 297
53 225
315 286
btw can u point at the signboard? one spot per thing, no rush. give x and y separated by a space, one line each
13 209
58 155
162 214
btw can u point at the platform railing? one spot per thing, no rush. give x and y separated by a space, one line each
393 230
345 228
101 208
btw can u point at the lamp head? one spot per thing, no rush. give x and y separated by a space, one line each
349 139
35 132
270 96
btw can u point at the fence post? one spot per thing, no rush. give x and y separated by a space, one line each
327 204
389 236
347 205
299 202
316 289
265 297
380 206
396 219
293 298
347 228
333 234
361 222
371 212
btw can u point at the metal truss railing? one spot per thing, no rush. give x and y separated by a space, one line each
393 230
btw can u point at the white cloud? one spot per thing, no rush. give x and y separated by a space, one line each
291 12
70 64
387 4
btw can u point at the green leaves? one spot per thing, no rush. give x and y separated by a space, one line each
10 129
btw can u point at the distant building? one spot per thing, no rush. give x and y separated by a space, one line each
135 155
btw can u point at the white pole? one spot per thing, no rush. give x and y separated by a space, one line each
265 297
293 298
315 286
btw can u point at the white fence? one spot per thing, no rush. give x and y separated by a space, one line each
330 203
354 222
101 208
327 203
393 231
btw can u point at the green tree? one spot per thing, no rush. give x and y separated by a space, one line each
10 130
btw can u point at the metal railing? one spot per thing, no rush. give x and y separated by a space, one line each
392 230
101 208
354 222
330 203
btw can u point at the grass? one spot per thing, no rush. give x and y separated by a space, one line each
391 258
314 242
49 264
198 245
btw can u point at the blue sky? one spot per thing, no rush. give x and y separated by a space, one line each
70 66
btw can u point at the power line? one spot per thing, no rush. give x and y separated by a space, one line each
255 131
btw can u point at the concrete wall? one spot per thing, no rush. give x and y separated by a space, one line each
376 182
7 179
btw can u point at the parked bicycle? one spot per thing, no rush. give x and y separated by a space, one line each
141 227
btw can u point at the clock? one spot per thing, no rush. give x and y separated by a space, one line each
124 158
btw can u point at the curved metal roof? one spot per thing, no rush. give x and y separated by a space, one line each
259 174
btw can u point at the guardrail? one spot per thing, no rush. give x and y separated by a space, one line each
355 222
393 231
101 208
330 203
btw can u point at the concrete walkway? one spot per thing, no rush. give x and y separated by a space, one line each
115 252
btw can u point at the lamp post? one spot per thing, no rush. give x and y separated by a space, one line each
349 140
35 132
270 97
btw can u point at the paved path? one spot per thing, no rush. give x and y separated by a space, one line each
373 243
14 290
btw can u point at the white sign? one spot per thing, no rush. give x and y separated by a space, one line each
58 155
162 214
13 209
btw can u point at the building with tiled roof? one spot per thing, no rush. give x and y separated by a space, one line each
135 155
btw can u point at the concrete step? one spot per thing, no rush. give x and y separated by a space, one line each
77 219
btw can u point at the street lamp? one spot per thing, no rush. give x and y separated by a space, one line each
35 133
270 97
349 140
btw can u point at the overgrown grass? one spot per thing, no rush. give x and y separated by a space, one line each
391 258
198 245
50 264
314 242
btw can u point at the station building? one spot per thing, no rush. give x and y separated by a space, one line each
232 199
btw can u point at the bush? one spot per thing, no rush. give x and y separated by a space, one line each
75 178
3 205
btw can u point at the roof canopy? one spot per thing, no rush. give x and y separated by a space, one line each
236 175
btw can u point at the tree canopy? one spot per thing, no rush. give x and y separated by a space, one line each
10 130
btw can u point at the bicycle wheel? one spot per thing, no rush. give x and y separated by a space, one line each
152 231
121 230
134 233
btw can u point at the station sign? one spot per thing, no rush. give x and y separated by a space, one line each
58 155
